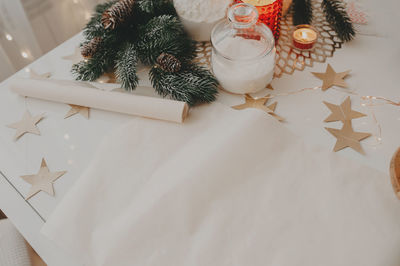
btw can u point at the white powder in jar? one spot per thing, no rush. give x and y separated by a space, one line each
202 10
250 71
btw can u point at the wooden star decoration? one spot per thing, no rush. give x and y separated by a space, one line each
34 75
42 181
342 112
331 78
77 109
75 57
347 137
26 125
259 103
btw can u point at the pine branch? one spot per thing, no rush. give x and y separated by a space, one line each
148 31
337 17
126 64
192 84
164 34
89 70
102 61
94 28
157 7
302 12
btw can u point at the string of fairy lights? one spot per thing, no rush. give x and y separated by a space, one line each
367 101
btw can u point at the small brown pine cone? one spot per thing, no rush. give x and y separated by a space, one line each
89 49
117 14
169 63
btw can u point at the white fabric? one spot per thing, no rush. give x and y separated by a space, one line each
13 250
225 188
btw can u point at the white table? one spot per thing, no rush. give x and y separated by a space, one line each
69 144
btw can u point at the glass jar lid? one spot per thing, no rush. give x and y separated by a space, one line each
241 36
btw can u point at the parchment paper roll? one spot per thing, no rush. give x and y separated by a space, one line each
84 94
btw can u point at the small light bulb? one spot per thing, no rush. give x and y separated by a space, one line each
9 37
24 55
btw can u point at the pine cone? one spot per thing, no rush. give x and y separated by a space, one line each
117 14
89 49
169 63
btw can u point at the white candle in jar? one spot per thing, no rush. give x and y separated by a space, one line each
243 65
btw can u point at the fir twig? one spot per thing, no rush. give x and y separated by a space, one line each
337 17
164 34
89 70
102 61
157 7
192 85
302 12
94 28
145 30
126 63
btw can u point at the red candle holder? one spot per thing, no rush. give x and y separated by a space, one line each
304 37
270 13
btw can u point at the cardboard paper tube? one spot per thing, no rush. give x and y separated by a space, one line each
84 94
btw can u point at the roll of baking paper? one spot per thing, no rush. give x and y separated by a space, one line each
84 94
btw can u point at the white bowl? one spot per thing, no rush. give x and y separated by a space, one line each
199 31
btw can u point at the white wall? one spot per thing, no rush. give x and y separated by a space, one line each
30 28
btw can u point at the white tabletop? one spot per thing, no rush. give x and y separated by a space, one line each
68 144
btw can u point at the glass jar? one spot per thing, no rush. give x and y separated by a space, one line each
243 54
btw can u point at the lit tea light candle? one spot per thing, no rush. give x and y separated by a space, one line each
304 37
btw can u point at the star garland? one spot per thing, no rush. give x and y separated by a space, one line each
42 181
331 78
77 109
259 103
26 125
342 112
347 137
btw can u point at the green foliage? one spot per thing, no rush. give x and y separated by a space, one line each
126 63
153 29
302 12
192 84
337 17
335 13
103 61
156 7
89 70
94 28
164 34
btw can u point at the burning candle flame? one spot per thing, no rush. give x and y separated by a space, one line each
304 35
